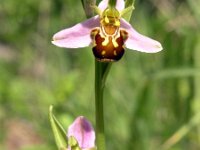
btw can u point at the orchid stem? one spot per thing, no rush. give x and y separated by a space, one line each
101 72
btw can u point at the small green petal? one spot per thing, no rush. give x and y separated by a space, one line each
96 10
129 7
58 131
126 13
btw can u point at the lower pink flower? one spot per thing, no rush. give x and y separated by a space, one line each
82 130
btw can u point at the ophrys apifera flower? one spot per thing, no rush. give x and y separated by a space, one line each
108 33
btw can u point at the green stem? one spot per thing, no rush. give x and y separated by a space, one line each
101 72
89 11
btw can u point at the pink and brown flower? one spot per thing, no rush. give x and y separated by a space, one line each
108 33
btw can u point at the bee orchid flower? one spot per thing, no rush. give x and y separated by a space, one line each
108 33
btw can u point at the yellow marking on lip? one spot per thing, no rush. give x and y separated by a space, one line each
115 44
115 53
103 52
106 41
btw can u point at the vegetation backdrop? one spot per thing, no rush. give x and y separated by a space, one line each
148 97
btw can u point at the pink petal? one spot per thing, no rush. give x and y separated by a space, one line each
104 4
139 42
76 36
83 131
120 5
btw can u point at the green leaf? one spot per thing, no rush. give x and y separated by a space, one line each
58 131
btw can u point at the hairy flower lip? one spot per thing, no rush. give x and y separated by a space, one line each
79 35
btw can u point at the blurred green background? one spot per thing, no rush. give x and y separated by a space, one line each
148 97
